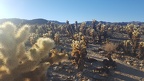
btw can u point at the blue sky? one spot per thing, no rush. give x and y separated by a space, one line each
72 10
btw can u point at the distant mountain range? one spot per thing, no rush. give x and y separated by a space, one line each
33 21
44 21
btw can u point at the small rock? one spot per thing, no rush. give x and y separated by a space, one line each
128 63
55 68
101 52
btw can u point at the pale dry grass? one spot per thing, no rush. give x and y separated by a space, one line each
110 47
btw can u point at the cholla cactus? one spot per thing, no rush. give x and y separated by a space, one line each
32 38
83 28
135 40
94 24
126 43
55 57
10 41
129 30
76 36
78 52
16 62
127 46
88 31
93 33
102 28
84 40
141 50
134 36
57 38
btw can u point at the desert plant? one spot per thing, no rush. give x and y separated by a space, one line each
141 50
55 57
101 33
134 36
76 36
110 47
127 47
76 26
94 25
79 53
57 38
93 33
135 40
17 64
83 28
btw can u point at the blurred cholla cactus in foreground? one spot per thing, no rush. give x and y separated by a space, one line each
55 57
17 64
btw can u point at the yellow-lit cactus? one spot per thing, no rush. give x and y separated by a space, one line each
126 43
15 60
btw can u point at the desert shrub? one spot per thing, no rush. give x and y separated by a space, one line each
110 47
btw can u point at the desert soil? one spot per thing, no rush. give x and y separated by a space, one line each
66 71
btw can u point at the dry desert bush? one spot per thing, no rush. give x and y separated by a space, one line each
110 47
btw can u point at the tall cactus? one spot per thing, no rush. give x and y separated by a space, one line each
141 50
94 25
135 41
67 22
134 36
76 26
83 28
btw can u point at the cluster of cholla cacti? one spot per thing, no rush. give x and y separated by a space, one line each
20 64
29 50
132 46
17 62
97 32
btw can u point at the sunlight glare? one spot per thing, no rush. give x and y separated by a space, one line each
3 10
